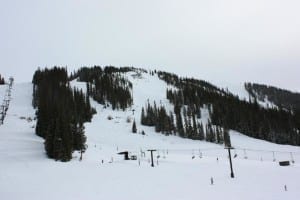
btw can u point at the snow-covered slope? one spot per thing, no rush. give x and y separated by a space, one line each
183 170
18 143
239 90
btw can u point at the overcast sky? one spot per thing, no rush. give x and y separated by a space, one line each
223 41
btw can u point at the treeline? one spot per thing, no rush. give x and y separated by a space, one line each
229 112
284 99
108 85
183 122
61 112
173 79
159 118
2 81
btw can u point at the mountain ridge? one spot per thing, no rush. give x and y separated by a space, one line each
183 167
112 86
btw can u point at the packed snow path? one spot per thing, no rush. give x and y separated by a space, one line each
27 174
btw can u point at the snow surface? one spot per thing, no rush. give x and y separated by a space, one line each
239 90
27 174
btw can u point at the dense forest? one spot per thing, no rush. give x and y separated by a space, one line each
282 98
183 124
61 112
107 86
229 112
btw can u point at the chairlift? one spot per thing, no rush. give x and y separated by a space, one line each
200 154
158 156
274 159
164 154
245 154
292 158
235 154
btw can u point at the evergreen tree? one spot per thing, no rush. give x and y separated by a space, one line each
227 140
143 117
134 130
61 112
2 81
201 131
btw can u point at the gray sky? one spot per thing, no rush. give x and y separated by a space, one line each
223 41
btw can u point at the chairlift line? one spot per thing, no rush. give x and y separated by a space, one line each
192 150
270 151
243 149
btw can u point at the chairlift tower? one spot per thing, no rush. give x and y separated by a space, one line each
152 162
230 161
